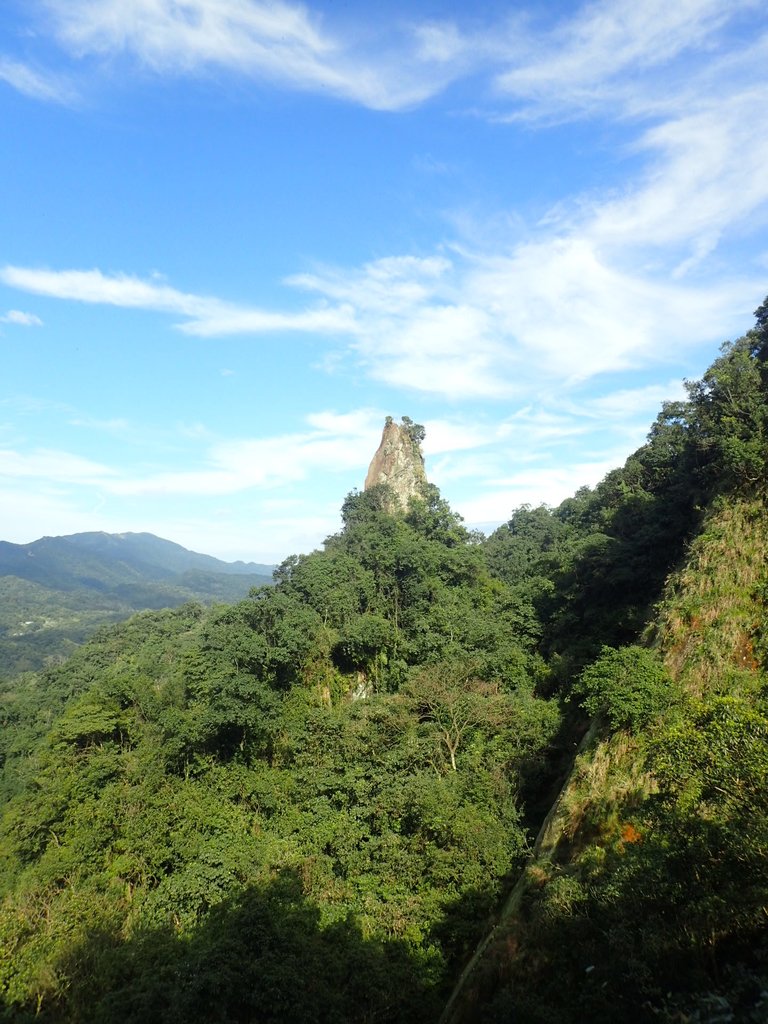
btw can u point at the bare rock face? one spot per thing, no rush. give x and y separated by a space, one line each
398 461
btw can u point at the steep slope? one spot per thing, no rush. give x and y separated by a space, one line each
646 890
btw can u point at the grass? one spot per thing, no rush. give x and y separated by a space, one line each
713 614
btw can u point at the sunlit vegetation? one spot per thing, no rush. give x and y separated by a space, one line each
311 805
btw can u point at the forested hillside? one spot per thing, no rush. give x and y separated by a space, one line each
315 804
56 591
645 896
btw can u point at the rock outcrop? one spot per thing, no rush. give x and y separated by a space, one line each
398 462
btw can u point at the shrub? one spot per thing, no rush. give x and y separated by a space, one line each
629 685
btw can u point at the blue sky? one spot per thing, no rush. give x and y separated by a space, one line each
235 235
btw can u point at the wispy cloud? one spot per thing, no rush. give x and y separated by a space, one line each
606 281
497 325
53 466
493 454
542 452
117 426
601 55
628 404
702 123
206 315
461 324
604 55
545 485
76 492
331 443
707 175
20 319
38 85
334 443
277 41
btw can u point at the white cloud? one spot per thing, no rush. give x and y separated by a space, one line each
359 422
705 133
440 41
194 431
207 316
116 425
235 538
612 281
415 328
214 322
597 56
457 435
226 533
115 290
708 175
500 325
471 325
52 465
541 453
335 444
629 403
76 493
609 282
276 41
546 485
20 319
47 512
38 85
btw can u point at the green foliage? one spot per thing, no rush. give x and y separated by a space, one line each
595 566
306 805
649 902
630 686
730 417
415 431
272 768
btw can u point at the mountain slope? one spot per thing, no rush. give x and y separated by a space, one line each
153 554
646 890
56 591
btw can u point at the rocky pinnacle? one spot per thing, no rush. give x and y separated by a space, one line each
398 461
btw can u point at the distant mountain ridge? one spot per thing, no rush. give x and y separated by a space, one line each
55 591
150 550
110 555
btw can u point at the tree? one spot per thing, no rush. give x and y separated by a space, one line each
730 417
760 333
415 431
455 701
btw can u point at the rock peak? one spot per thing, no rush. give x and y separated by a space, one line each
398 462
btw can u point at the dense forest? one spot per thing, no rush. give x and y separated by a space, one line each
546 747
